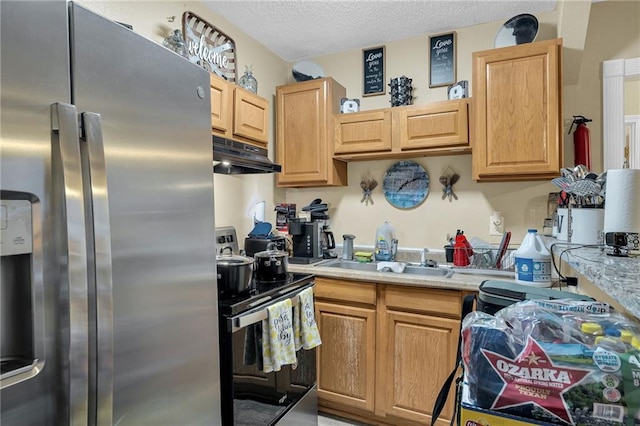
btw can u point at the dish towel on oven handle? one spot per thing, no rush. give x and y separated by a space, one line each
305 328
277 337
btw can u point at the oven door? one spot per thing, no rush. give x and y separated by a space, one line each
249 396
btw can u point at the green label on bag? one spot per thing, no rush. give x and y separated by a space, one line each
631 381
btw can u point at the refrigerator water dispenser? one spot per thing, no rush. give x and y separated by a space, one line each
17 310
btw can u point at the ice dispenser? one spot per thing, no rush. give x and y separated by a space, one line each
20 333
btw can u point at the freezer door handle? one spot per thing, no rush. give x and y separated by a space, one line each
98 202
64 123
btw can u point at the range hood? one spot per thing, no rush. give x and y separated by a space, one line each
236 158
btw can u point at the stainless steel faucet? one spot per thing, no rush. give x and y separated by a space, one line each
423 256
394 249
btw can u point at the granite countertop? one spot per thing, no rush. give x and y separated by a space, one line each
617 277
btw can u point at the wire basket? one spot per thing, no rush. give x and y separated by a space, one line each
485 258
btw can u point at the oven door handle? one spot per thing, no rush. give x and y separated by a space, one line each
251 318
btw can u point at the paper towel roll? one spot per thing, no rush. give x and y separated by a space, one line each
622 201
259 214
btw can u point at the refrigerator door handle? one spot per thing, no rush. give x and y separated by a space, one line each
64 123
99 204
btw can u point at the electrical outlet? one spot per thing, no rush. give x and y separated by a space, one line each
496 225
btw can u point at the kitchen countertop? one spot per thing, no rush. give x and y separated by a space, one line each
615 280
466 282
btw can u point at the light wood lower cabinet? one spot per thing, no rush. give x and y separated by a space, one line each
420 349
418 330
346 317
347 355
386 351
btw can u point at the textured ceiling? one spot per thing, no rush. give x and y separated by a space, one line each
302 29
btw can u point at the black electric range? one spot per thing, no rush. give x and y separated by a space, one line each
261 293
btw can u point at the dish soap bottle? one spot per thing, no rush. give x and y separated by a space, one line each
385 241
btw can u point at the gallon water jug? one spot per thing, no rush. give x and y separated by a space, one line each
533 261
385 243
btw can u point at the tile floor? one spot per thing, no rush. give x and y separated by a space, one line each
326 420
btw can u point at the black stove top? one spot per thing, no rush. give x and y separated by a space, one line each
261 293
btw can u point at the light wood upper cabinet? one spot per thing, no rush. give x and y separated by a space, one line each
360 132
251 116
440 128
517 110
437 125
304 137
238 114
221 106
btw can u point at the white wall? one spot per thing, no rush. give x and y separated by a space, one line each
523 204
612 33
632 97
234 195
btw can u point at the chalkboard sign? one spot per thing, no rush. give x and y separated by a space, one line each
442 60
373 71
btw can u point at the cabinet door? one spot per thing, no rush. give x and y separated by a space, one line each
517 112
419 353
251 117
221 111
346 358
304 122
441 124
362 132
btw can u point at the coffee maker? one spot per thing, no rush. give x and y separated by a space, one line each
307 241
327 239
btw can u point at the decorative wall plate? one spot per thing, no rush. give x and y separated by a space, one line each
209 47
518 30
306 70
406 184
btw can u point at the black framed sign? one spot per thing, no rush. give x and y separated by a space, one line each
373 71
442 59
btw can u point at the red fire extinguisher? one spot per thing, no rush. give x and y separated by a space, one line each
581 141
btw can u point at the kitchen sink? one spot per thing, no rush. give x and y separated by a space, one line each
348 264
427 271
372 267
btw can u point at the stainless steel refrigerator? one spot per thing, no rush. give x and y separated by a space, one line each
108 292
